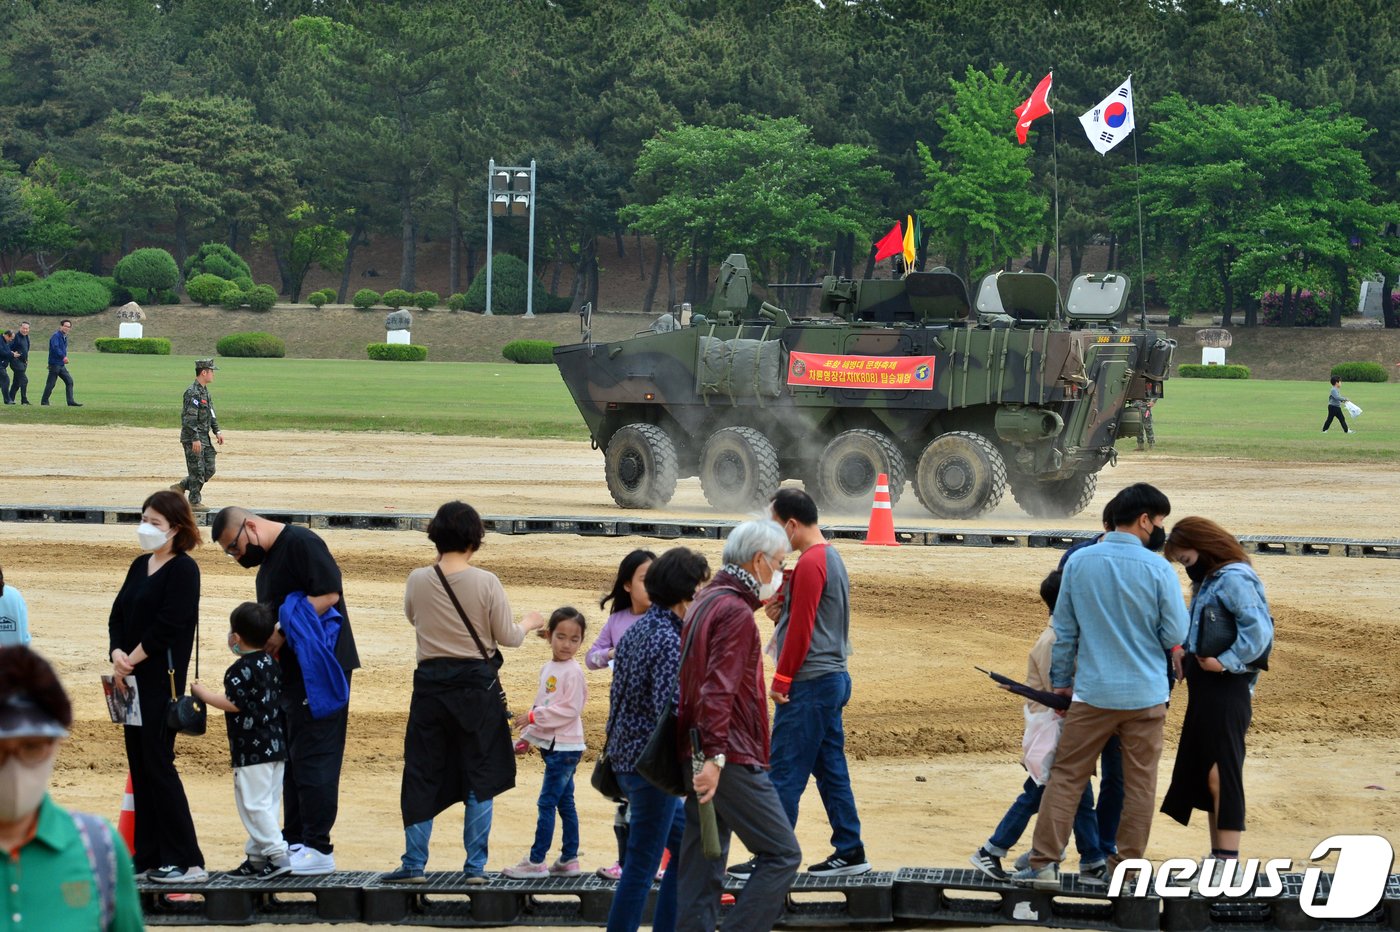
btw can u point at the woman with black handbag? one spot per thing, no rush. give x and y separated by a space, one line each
1228 643
646 677
151 633
457 747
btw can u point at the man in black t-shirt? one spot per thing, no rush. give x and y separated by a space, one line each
294 559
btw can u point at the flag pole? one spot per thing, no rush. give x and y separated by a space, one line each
1055 164
1142 256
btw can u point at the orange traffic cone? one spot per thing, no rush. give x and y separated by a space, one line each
126 822
881 530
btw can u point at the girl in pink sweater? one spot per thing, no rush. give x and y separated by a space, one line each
555 726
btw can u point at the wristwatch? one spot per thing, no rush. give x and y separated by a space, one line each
717 760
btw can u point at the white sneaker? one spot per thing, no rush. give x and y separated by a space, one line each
308 862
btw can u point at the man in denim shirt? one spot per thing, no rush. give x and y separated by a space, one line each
1120 607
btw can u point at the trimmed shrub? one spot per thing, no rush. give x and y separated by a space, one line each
23 277
148 272
233 298
1191 371
262 298
397 298
256 344
397 352
426 299
207 288
509 292
62 294
244 282
529 351
457 302
218 259
1360 372
136 346
365 298
316 299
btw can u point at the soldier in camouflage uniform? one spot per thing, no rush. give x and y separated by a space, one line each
1148 433
197 422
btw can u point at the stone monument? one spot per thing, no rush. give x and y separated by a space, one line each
398 324
130 315
1214 341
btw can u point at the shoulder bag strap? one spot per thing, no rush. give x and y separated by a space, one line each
101 854
485 655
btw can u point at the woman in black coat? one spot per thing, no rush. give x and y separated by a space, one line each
151 630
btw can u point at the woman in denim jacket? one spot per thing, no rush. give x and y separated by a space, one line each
1209 770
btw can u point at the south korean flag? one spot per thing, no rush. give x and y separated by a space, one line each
1111 121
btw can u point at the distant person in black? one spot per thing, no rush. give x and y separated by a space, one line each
19 363
58 365
293 559
5 339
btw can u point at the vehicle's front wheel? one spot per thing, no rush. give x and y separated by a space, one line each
640 463
960 475
844 476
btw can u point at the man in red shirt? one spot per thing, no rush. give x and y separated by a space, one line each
811 685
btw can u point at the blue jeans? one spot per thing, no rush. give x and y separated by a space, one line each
1110 808
557 792
1013 824
475 831
809 740
657 823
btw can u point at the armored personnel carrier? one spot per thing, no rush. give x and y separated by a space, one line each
907 377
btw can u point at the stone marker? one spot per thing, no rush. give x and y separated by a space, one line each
398 323
130 315
1214 341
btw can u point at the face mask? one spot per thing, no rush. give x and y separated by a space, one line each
150 536
237 651
1197 571
769 589
22 788
253 555
1157 539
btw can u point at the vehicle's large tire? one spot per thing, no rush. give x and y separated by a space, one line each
739 469
1060 498
960 475
641 468
843 478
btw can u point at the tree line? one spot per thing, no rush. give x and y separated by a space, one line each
791 130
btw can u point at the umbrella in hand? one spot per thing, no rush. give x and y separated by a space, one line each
1044 697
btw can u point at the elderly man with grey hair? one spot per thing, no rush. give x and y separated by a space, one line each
723 697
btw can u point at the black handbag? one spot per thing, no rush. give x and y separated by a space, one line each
605 778
660 762
495 660
1219 629
185 715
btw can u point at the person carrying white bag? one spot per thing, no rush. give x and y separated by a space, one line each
1041 737
1335 400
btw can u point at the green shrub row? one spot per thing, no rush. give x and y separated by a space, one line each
136 346
1191 371
252 345
529 351
62 294
397 352
1360 372
258 298
395 298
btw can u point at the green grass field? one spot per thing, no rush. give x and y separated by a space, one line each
1255 420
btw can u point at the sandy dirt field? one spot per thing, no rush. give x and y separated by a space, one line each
934 747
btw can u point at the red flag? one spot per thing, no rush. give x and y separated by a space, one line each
1036 106
891 244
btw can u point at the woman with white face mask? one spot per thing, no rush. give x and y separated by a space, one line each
60 870
151 631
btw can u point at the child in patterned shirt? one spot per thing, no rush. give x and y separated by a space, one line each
257 739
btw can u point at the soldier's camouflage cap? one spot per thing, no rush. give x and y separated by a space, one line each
205 364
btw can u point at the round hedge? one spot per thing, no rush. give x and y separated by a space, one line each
397 298
23 277
365 298
233 298
152 270
508 290
316 299
457 302
397 352
218 259
256 344
529 351
1191 371
207 288
136 346
62 294
262 298
1360 372
425 299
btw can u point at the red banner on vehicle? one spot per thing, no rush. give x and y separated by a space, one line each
888 373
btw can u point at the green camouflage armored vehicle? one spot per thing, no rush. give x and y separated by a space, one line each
906 377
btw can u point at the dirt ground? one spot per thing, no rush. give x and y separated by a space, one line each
934 747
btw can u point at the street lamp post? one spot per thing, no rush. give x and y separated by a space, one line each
509 188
